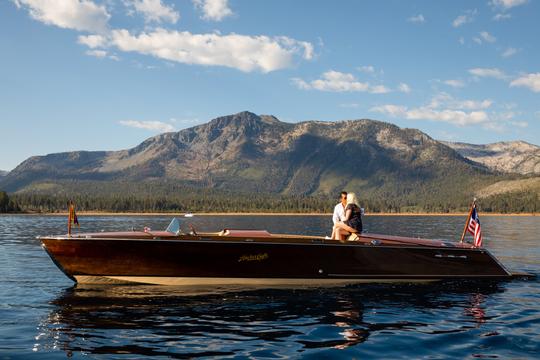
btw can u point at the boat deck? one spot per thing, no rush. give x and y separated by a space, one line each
263 236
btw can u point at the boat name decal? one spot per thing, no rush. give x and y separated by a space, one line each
255 257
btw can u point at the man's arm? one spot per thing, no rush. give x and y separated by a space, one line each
335 217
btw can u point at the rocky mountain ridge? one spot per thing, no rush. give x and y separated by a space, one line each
509 157
248 152
392 168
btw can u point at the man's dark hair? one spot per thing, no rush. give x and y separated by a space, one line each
343 193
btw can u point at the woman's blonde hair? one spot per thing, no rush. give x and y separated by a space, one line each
352 199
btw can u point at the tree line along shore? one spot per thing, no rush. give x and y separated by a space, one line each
216 202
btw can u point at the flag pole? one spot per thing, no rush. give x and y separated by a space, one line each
69 217
467 221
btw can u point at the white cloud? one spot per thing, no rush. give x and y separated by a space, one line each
473 104
389 109
521 124
379 89
184 122
97 53
446 100
443 108
454 83
155 11
465 18
488 72
506 4
417 19
509 115
487 37
368 69
301 84
460 20
349 105
101 54
509 52
484 36
504 122
371 70
215 10
509 106
246 53
531 81
81 15
334 81
404 88
92 41
148 125
493 126
456 117
501 16
243 52
461 40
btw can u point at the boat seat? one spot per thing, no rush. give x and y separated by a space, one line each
244 233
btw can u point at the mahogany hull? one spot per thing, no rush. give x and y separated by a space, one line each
275 262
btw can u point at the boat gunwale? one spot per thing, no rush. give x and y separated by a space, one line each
363 239
264 241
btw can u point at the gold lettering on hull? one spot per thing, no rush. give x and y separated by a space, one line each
254 257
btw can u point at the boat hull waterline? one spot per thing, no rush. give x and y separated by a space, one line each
268 260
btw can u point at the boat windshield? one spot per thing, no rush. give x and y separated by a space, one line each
174 226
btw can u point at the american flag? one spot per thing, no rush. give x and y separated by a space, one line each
474 228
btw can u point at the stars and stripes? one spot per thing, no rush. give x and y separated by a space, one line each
474 227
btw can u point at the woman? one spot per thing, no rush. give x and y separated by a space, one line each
352 222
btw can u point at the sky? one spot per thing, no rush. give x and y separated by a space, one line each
107 74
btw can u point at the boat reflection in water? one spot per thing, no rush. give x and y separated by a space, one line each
163 321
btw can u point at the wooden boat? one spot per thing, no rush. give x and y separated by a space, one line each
259 258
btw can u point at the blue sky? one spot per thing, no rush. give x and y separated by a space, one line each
106 74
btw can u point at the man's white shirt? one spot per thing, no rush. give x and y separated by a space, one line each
339 213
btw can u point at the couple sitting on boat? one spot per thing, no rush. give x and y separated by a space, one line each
347 218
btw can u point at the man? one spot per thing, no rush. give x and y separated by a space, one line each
339 209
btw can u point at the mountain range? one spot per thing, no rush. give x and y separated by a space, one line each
246 152
511 157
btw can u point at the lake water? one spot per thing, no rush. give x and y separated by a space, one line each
44 316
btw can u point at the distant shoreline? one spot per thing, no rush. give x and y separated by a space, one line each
181 214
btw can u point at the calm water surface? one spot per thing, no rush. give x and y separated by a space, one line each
44 316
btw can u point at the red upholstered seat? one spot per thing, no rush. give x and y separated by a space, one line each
245 233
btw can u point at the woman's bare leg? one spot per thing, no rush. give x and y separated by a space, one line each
343 234
334 233
343 230
345 227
